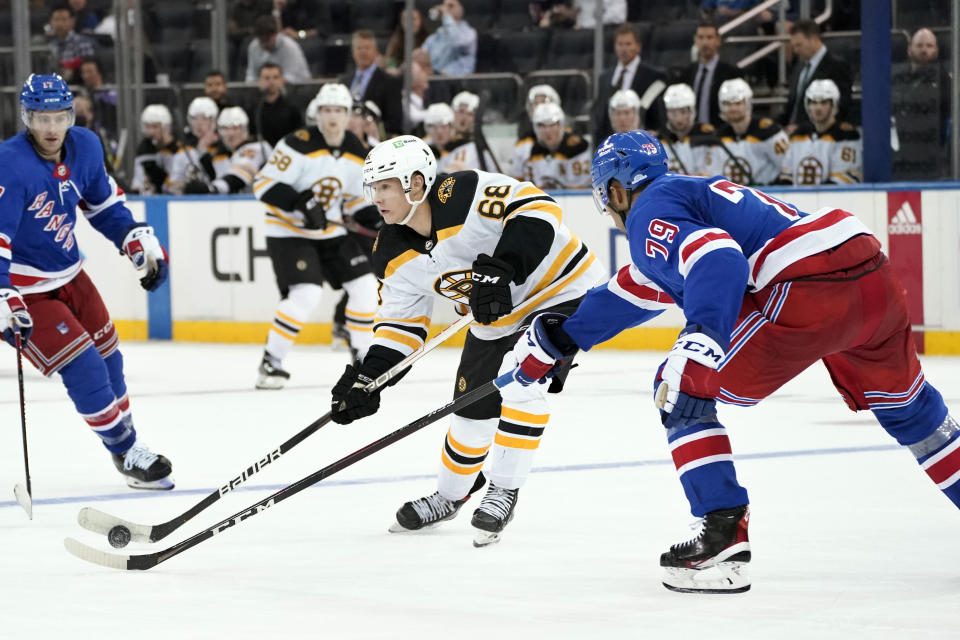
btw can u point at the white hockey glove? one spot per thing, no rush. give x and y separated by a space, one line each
14 317
144 250
540 349
687 382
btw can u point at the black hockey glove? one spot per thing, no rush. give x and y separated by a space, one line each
196 186
490 297
314 215
350 400
156 174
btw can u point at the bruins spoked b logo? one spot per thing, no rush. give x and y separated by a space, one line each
455 285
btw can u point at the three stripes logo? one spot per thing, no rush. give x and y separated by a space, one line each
904 221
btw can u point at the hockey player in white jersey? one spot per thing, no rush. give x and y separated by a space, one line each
194 161
438 124
537 95
686 142
823 151
479 240
238 156
559 159
312 179
463 152
748 151
154 160
624 111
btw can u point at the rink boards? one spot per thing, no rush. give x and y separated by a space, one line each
222 287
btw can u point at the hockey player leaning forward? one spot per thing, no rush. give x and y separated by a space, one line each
493 243
45 295
767 290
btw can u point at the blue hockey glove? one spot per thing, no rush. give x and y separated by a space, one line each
144 250
14 317
687 383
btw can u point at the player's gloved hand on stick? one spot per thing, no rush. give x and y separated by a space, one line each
144 250
490 297
541 347
350 401
314 214
14 317
196 186
687 382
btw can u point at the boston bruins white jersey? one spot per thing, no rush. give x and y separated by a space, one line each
152 167
831 157
191 163
461 154
476 212
754 158
303 160
687 155
566 167
237 174
521 156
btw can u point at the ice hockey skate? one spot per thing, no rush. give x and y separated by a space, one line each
429 511
494 513
716 560
144 469
270 375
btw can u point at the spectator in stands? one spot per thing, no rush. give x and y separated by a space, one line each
726 10
553 14
920 103
419 84
395 47
614 12
630 73
823 151
155 153
270 45
300 19
243 13
215 88
708 72
537 95
369 82
365 123
747 150
812 61
453 46
624 111
686 141
438 123
68 48
559 159
104 100
85 19
275 115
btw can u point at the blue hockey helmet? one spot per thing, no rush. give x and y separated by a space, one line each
632 158
45 92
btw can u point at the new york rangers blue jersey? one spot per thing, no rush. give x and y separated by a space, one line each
703 243
38 209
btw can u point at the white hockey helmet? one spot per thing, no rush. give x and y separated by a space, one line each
465 99
544 90
824 89
156 114
624 99
400 158
334 94
679 96
438 113
202 107
547 113
233 117
735 90
310 115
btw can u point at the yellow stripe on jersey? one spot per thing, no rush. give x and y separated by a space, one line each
554 269
283 333
356 327
539 205
350 156
261 182
318 153
443 234
464 449
408 340
289 320
312 233
280 213
515 415
358 315
515 443
529 191
419 320
399 261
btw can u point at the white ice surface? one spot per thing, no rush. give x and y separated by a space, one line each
850 539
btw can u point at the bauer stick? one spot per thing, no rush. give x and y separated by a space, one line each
101 522
149 560
23 493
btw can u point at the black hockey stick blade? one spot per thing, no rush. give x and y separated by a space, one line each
150 560
101 522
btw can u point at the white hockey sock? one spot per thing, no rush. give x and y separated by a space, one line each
289 318
360 311
464 450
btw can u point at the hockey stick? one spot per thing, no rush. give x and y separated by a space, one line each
149 560
101 522
23 493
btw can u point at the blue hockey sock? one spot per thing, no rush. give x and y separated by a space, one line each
704 461
89 386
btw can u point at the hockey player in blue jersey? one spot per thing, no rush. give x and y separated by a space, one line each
46 299
767 290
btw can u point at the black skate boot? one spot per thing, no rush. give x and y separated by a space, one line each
270 375
143 469
494 513
431 510
716 560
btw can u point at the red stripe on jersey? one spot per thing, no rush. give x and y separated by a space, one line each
20 280
706 238
4 242
701 448
945 468
790 234
643 292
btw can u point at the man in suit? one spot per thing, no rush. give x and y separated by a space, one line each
708 73
812 61
369 82
630 73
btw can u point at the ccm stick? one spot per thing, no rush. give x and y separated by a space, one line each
101 522
150 560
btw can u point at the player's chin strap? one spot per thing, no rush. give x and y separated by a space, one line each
413 209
